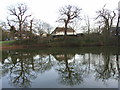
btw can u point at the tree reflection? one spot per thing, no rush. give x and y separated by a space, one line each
18 64
44 63
69 72
107 68
23 67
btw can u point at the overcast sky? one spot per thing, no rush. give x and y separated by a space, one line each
47 10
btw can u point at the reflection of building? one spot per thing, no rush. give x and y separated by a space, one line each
61 57
60 31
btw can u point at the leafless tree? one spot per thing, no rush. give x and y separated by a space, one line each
3 25
68 14
87 22
106 18
19 14
41 27
48 28
99 26
75 25
31 25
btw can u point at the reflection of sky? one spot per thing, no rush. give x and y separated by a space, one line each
50 14
119 76
5 82
49 79
91 82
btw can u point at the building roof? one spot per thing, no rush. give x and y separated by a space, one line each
62 29
114 29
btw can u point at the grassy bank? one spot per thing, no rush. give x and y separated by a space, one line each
88 40
7 42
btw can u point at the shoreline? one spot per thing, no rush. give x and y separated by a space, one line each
5 47
12 47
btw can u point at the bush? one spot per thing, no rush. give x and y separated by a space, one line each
26 42
92 39
72 41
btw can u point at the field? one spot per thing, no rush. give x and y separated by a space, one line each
6 42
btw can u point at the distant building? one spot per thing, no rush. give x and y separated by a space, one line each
25 35
113 30
44 35
60 31
80 34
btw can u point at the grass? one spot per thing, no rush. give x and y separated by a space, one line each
6 42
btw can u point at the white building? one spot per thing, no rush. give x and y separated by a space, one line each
61 31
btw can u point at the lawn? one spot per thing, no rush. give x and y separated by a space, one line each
7 42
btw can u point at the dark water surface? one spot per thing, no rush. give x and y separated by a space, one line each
91 67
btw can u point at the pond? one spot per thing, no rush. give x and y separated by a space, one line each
86 67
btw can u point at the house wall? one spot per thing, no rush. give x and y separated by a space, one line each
62 33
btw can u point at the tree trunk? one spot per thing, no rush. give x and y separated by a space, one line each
117 26
20 29
31 24
65 31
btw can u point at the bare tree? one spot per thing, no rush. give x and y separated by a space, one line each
39 27
48 28
3 25
99 26
87 22
75 25
31 35
19 13
42 27
106 18
31 25
68 14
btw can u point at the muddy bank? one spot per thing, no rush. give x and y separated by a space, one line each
4 47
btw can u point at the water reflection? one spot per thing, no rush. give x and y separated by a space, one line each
72 65
68 69
20 66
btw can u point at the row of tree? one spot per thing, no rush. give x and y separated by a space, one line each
19 20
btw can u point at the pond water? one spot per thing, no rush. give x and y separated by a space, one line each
91 67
